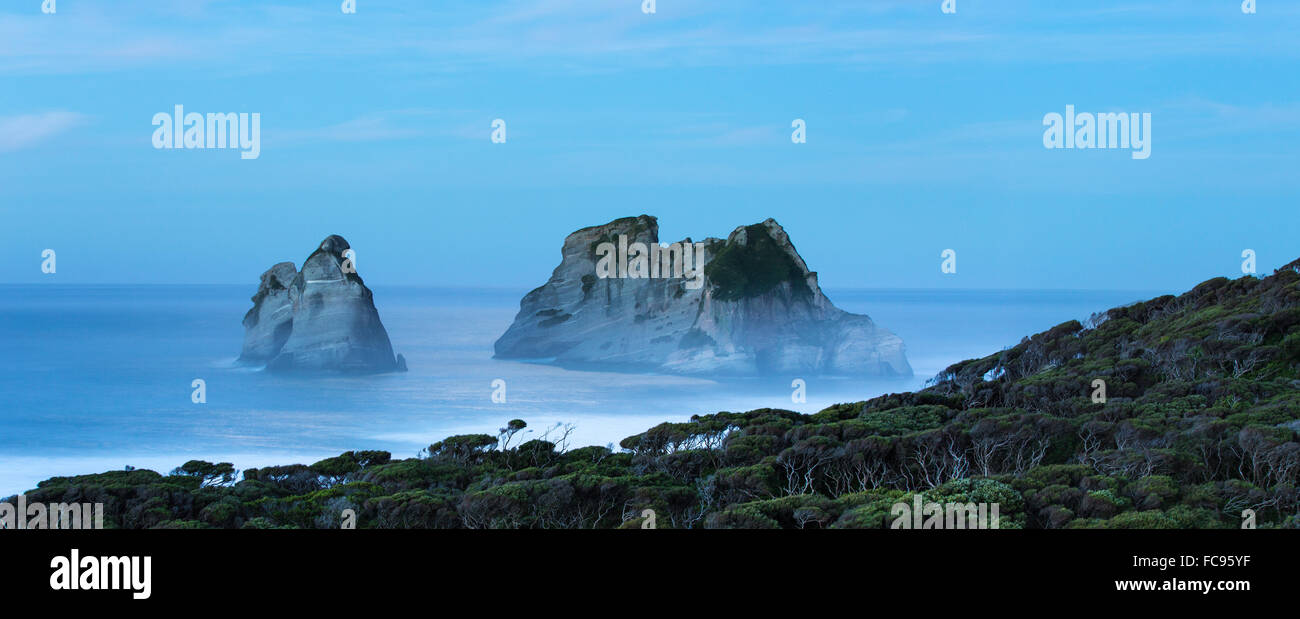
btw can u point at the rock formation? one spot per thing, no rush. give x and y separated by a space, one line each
320 319
755 309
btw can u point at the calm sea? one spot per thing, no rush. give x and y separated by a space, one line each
95 378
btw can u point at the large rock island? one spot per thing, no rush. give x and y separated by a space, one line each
320 319
620 301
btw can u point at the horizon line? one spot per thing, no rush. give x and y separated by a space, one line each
531 286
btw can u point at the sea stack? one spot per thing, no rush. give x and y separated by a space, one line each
319 319
616 302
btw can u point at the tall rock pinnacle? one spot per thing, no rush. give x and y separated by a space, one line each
322 318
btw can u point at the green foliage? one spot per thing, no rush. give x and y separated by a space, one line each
904 419
738 271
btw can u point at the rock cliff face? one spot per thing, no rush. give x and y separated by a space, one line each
756 309
320 319
267 325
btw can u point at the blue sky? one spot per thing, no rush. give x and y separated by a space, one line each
924 133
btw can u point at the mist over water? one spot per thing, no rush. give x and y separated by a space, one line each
95 378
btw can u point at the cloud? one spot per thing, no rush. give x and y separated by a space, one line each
597 35
28 130
364 129
391 125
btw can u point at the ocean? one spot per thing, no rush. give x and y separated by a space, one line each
96 378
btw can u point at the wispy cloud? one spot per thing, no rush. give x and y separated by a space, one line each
1238 118
592 35
387 126
28 130
371 128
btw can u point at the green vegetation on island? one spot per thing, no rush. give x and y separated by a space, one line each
743 271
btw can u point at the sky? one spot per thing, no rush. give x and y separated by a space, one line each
924 132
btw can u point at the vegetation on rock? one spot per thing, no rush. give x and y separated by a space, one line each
738 271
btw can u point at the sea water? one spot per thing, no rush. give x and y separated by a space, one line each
96 378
